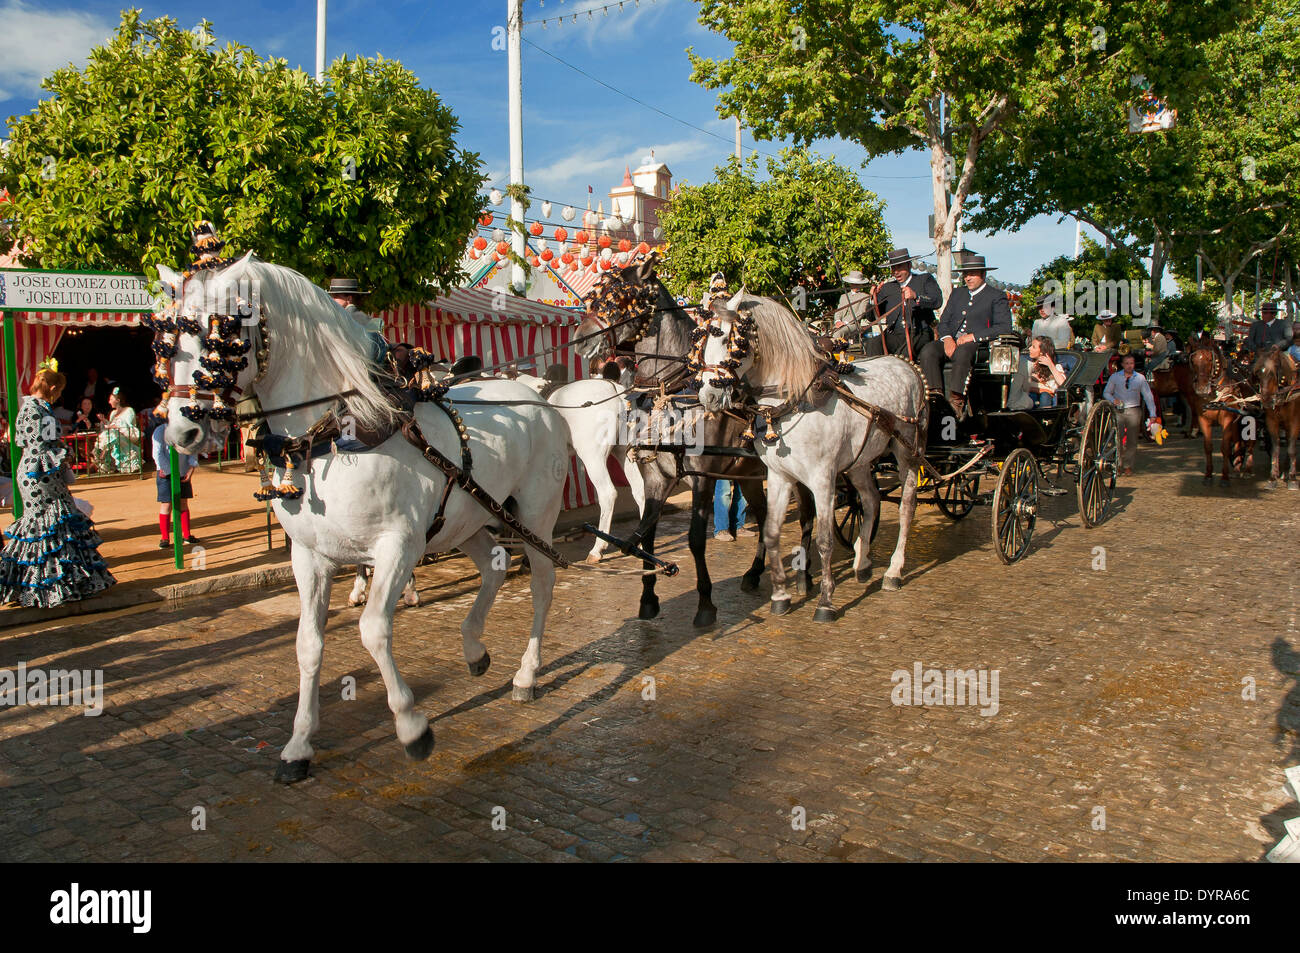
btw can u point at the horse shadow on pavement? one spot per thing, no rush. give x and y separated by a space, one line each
1287 661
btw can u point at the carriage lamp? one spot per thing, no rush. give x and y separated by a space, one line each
1003 358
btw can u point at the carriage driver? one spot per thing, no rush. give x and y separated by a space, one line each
891 305
346 292
975 312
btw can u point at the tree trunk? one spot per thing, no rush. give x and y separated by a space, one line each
1158 258
1229 284
943 230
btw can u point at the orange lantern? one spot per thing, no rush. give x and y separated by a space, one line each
480 243
642 248
486 220
587 260
603 241
537 262
503 248
604 264
535 228
561 233
581 238
567 258
548 255
624 245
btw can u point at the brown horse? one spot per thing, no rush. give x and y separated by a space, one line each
1214 391
1279 387
1175 380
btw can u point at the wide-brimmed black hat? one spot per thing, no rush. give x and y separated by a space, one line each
970 263
899 257
1043 299
1269 306
345 286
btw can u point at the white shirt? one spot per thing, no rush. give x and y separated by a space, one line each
1056 327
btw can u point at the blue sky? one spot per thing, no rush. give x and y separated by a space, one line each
576 132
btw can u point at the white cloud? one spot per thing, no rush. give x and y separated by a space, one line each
34 43
600 164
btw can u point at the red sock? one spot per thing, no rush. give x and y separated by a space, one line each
185 524
164 526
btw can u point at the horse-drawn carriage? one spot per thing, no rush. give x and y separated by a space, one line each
1006 458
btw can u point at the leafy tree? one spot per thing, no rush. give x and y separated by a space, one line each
795 229
1085 277
162 128
1216 182
1187 313
946 77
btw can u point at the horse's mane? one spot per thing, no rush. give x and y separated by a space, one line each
787 358
306 326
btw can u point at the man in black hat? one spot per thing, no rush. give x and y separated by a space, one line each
974 313
905 302
346 293
1268 330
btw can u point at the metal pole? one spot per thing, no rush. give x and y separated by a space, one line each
739 154
177 542
1078 236
11 404
514 29
320 41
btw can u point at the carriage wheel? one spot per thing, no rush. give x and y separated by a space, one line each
957 497
1098 463
848 515
1015 505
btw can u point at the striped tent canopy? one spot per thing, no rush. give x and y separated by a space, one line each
498 329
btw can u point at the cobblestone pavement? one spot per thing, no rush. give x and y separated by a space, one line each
1119 688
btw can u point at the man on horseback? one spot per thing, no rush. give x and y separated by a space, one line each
905 302
974 313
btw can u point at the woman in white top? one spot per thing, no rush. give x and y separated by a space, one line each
1037 381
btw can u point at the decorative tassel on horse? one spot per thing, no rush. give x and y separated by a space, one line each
771 436
287 490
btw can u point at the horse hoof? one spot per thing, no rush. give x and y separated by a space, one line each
825 614
649 610
749 582
706 617
1293 485
521 693
478 668
891 583
421 747
592 558
412 601
291 772
862 575
780 606
356 602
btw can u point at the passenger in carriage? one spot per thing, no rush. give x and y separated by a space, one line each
974 313
1039 377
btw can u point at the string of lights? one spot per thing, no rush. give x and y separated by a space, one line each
573 17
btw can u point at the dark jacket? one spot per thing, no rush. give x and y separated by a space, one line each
986 314
1261 336
928 299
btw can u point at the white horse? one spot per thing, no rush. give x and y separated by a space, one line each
373 508
779 363
594 411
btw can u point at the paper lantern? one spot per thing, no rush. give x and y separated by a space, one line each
537 262
547 255
642 248
561 233
604 264
546 210
535 228
541 244
568 213
495 197
637 229
622 258
606 254
603 241
567 258
503 248
480 243
587 260
486 219
589 218
582 237
498 235
659 233
624 245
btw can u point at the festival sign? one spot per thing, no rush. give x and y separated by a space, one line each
23 289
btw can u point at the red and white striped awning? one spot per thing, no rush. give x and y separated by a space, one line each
98 319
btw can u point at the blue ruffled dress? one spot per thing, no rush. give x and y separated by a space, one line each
51 555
